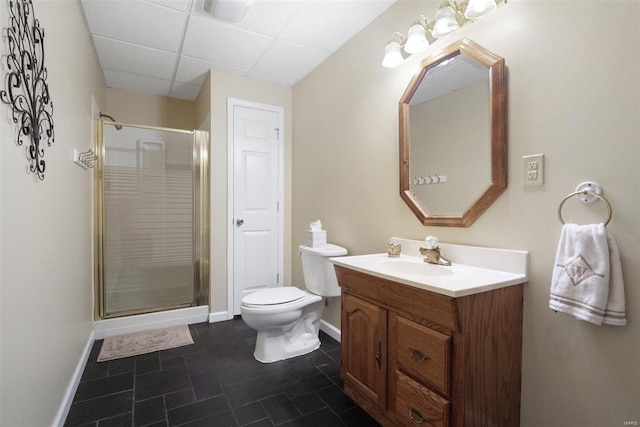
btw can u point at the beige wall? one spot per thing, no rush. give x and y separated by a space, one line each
224 86
573 95
203 106
45 232
150 110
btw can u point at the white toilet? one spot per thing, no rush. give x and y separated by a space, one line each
287 318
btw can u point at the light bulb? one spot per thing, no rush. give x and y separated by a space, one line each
445 23
392 55
416 39
479 8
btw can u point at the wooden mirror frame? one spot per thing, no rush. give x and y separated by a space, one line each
498 125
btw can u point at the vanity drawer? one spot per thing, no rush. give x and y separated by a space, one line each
423 353
416 404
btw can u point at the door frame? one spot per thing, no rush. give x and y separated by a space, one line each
231 103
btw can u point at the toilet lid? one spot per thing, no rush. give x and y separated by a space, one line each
273 296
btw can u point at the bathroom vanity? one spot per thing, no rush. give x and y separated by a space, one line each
419 347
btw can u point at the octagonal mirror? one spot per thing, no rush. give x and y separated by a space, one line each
453 135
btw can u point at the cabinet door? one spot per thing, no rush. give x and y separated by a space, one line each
364 348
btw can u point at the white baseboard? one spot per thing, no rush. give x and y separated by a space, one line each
219 316
61 416
330 330
145 322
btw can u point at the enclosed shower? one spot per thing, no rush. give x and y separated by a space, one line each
152 210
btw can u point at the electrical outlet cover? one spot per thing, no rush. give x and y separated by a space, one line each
533 170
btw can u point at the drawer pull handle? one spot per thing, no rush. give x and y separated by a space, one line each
418 356
416 416
379 356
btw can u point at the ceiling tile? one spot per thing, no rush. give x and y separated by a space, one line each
167 47
458 72
135 59
193 70
181 5
230 70
185 91
136 83
289 60
379 5
210 40
341 21
265 17
426 92
136 22
269 17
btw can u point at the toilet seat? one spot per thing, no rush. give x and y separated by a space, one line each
273 296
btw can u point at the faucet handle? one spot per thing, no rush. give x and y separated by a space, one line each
431 242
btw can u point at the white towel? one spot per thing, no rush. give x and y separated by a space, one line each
587 276
615 314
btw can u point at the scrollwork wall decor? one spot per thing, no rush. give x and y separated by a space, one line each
26 90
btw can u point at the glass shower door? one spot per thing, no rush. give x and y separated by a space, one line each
150 220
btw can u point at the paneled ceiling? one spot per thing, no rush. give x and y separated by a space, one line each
167 47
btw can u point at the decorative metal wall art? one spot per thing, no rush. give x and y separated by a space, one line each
26 89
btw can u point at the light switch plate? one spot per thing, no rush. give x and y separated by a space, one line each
533 170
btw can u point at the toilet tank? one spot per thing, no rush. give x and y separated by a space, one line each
319 274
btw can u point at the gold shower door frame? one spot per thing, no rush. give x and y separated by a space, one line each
201 232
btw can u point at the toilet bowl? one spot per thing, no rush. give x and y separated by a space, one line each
287 319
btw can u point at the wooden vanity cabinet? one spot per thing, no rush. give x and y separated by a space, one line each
411 356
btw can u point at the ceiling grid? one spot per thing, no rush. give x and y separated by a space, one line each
167 47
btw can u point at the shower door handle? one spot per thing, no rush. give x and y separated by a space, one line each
239 222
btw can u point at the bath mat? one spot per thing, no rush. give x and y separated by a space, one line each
137 343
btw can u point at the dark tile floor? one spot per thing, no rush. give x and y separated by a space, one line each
216 382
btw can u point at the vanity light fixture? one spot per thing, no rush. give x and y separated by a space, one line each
417 36
445 22
393 52
449 18
479 8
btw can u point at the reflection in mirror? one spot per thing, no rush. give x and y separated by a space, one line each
449 128
453 136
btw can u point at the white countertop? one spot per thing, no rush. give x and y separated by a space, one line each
456 280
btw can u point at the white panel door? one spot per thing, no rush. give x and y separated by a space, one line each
255 201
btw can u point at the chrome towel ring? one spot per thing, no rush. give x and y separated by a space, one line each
590 192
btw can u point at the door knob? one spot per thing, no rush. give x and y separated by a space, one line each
239 222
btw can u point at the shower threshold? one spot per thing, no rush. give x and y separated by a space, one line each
145 322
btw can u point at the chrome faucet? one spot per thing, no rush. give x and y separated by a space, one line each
431 253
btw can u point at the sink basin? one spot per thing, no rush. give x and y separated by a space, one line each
456 280
419 268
